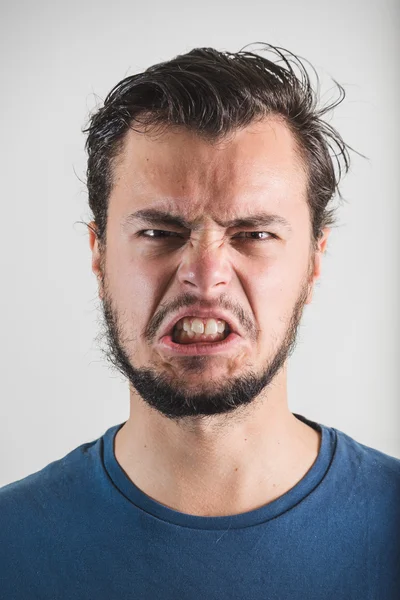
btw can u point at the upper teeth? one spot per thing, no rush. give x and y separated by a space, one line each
208 326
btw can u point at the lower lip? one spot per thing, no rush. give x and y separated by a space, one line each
205 348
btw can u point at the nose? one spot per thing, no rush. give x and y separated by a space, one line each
205 266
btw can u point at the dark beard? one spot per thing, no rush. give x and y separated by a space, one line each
215 397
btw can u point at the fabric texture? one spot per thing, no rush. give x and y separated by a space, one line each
81 529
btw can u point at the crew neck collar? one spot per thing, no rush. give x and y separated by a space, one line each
291 498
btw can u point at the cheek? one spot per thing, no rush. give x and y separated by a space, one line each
131 281
276 284
138 286
273 290
270 277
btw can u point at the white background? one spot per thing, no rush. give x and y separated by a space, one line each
58 60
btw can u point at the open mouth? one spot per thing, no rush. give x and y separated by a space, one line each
200 331
196 336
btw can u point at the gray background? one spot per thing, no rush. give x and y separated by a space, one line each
57 60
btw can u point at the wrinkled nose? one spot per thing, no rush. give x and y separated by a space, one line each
205 266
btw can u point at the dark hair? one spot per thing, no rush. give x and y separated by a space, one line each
214 93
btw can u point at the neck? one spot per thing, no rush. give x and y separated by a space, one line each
218 466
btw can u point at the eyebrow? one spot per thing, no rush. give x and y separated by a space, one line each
159 217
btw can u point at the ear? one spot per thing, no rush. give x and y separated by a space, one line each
322 242
96 256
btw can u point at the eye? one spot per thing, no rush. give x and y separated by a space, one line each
255 233
162 233
144 233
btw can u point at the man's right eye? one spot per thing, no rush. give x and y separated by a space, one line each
154 233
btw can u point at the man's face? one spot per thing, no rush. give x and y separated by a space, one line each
260 280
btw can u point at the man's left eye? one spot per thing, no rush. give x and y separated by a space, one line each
255 233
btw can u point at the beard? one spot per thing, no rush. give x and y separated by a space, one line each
210 397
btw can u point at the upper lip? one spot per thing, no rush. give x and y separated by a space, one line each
203 314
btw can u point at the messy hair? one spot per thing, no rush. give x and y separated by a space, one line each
214 93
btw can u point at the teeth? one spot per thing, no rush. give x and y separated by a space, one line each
211 327
199 326
221 326
194 329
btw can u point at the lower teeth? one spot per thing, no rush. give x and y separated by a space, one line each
181 337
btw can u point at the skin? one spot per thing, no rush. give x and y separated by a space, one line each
234 460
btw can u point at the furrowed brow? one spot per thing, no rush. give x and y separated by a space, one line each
258 220
153 216
159 217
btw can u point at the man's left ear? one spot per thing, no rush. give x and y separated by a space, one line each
317 261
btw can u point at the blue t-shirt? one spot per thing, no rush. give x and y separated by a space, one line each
80 529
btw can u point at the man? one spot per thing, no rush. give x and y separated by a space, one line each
210 179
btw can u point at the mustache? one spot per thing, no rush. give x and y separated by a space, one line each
187 300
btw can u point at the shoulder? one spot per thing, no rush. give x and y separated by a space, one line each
39 516
39 493
374 474
368 457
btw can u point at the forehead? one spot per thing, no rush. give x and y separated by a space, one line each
256 167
